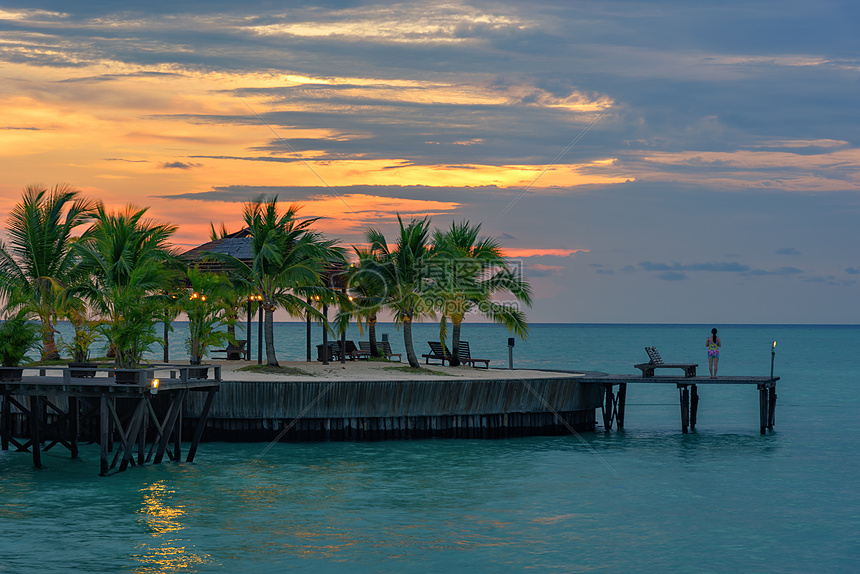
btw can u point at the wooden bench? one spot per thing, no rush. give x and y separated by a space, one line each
383 346
233 352
437 353
465 356
351 352
656 362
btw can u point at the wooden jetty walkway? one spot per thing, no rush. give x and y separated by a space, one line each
141 418
614 401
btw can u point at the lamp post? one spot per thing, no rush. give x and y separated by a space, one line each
772 356
248 331
166 341
308 327
325 350
260 332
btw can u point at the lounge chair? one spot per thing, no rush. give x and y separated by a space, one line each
383 346
386 350
233 352
437 352
656 362
465 356
351 352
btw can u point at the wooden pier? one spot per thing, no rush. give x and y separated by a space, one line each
141 419
614 401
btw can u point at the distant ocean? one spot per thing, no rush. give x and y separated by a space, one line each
648 499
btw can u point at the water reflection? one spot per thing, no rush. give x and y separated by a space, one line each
166 552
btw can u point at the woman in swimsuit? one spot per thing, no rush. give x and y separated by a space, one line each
713 346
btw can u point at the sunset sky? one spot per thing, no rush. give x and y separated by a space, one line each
644 161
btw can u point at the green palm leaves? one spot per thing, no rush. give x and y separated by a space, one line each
206 307
129 263
402 275
289 260
38 264
454 272
470 271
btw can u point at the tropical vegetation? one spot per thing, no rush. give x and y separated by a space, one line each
120 277
206 306
17 337
469 271
38 263
129 265
402 273
289 261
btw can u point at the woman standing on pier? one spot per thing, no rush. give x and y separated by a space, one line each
713 346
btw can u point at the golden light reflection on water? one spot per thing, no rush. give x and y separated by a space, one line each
166 552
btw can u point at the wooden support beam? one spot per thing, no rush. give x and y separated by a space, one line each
176 400
762 407
201 424
685 407
74 424
133 430
104 431
177 430
141 436
771 400
620 401
6 425
694 405
35 438
608 405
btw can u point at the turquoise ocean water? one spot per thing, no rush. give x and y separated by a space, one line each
648 499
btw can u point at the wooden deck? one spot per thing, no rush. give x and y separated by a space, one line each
614 401
143 417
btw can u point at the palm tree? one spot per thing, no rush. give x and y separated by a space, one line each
405 272
38 261
288 262
207 308
469 270
367 290
130 266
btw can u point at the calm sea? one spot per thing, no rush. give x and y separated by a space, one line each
649 499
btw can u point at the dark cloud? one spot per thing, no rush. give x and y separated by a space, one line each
180 165
670 272
853 271
780 271
732 267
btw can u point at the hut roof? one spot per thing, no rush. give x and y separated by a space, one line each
239 246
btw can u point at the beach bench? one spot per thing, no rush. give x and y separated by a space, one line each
383 346
465 356
386 350
233 352
656 362
351 351
437 352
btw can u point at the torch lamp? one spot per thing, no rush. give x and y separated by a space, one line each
772 356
